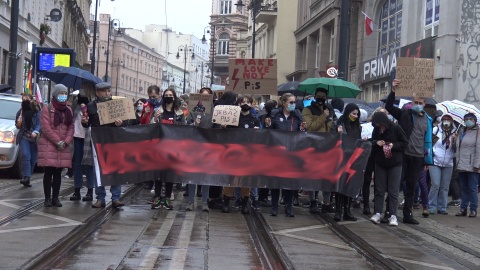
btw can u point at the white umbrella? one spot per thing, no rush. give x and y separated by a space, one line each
457 109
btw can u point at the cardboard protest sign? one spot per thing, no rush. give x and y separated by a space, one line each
367 130
253 76
200 103
416 77
226 115
114 109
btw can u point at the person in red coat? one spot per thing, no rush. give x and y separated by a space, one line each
54 144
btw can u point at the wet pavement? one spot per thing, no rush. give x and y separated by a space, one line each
137 237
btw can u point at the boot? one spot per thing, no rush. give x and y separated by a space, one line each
313 207
338 207
346 209
26 181
245 209
226 204
76 195
56 202
89 196
48 202
289 211
274 211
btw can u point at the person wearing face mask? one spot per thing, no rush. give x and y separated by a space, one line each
154 103
319 118
349 125
92 119
442 169
468 164
285 118
139 108
53 146
418 127
28 123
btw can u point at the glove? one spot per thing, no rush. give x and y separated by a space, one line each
61 145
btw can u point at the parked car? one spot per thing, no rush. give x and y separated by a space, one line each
9 150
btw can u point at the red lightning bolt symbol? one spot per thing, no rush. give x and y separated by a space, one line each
234 78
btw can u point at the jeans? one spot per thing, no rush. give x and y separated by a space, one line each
412 167
423 188
468 182
387 179
205 193
100 190
29 156
438 196
287 196
78 169
312 195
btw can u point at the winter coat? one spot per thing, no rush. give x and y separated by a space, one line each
405 120
316 120
442 156
48 155
292 123
393 134
468 149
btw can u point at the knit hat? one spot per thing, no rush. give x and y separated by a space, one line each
58 89
472 115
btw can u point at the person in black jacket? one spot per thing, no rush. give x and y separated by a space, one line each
287 118
389 141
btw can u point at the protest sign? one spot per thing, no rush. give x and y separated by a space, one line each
367 130
253 76
200 103
226 115
416 77
114 109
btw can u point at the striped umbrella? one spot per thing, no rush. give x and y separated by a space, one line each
457 109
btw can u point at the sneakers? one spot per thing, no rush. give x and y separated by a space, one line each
48 202
75 197
393 221
454 203
205 208
255 205
426 213
189 207
157 203
376 218
98 204
237 204
167 204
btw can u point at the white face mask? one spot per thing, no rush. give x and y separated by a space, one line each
447 124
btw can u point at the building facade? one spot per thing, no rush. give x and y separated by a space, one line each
127 63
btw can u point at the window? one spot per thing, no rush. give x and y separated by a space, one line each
390 24
432 17
225 7
123 80
90 53
331 51
223 44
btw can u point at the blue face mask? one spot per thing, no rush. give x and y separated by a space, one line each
469 123
62 98
291 107
417 108
154 102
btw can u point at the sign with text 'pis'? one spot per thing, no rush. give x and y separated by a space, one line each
114 109
416 77
253 76
226 115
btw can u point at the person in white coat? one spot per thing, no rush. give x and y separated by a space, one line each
441 171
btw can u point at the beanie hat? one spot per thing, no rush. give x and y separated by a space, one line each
471 115
58 89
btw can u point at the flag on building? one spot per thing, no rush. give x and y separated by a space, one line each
368 25
28 85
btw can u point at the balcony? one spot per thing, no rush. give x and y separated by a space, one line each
266 14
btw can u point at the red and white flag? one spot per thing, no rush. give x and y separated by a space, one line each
38 94
368 25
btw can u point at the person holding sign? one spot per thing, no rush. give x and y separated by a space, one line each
169 113
103 94
418 127
54 144
286 118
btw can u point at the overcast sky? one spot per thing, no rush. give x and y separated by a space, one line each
186 16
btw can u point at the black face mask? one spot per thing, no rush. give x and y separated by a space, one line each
245 108
168 100
26 105
320 101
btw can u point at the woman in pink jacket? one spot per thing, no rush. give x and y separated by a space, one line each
53 146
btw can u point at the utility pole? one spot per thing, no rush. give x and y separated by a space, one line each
92 59
12 64
344 40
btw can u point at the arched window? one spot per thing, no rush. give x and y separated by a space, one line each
390 24
223 44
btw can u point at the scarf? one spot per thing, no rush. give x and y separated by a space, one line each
27 113
61 114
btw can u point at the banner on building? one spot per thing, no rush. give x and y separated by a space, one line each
416 77
111 110
253 76
230 157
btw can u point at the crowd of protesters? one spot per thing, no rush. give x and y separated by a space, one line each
410 151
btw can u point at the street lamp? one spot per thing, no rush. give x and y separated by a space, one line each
185 48
111 23
92 59
255 8
204 41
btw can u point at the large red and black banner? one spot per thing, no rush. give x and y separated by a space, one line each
230 157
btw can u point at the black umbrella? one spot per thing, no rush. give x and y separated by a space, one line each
360 103
5 87
289 87
71 77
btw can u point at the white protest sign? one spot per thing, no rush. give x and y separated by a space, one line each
226 115
367 130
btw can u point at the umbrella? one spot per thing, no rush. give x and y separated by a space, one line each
71 77
337 88
362 104
4 88
289 87
457 109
